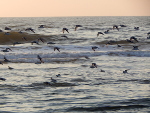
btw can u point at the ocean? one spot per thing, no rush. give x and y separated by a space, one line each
45 69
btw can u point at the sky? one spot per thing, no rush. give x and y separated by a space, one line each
59 8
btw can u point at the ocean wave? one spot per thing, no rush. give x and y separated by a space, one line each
115 105
106 108
67 56
50 84
11 37
136 80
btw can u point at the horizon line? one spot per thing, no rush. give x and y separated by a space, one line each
68 16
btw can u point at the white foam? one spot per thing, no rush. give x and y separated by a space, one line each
28 52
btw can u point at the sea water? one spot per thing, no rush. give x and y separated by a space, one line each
29 88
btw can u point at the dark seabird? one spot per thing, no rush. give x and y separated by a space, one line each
36 42
6 60
65 29
115 27
3 79
58 75
30 29
41 39
86 57
148 33
106 31
10 67
135 48
94 47
50 43
129 41
56 48
1 63
148 37
136 28
77 27
108 43
6 50
53 80
24 38
7 28
99 33
41 26
123 25
133 38
118 45
125 71
93 65
102 70
40 59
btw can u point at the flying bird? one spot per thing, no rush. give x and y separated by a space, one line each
115 27
7 28
36 42
135 48
24 38
123 25
125 71
3 79
118 45
40 59
56 48
41 26
77 27
133 38
1 63
93 65
6 50
30 29
41 39
6 60
136 28
99 33
106 32
94 47
58 75
102 70
65 29
10 68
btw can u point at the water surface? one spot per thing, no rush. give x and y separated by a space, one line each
28 87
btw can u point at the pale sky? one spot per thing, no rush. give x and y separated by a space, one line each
57 8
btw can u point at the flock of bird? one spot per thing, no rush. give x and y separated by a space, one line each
94 65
